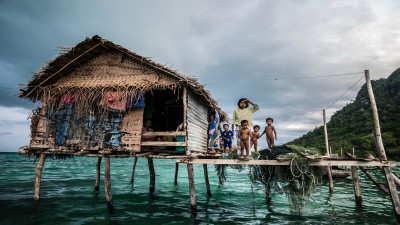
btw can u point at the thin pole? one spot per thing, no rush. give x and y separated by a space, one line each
192 188
206 180
107 184
152 175
133 171
96 186
38 175
328 168
176 173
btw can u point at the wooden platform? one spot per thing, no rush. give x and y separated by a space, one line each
323 162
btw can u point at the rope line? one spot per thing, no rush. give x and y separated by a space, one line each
345 92
293 78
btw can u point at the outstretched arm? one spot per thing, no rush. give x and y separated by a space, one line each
262 133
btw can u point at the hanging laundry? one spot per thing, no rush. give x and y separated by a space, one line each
114 100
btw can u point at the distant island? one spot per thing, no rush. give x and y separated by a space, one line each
351 127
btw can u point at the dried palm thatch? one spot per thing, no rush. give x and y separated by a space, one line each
96 66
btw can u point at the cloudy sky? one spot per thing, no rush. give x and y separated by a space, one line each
236 48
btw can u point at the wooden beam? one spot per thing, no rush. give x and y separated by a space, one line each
356 184
286 163
133 171
192 188
152 175
38 175
96 186
176 173
107 184
162 143
206 180
165 133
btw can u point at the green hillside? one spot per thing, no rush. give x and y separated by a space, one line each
352 125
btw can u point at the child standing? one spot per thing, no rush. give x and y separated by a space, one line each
227 137
244 135
268 131
244 112
254 137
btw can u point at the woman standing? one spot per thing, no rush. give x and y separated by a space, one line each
244 112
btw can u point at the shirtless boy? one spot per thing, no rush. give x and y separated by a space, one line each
244 135
254 137
268 131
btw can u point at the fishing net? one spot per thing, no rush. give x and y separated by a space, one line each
298 180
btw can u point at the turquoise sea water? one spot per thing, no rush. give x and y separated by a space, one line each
68 197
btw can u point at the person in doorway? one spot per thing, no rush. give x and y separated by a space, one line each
270 131
244 112
147 128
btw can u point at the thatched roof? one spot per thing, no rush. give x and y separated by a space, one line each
62 73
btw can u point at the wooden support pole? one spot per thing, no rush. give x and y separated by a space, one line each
38 175
377 127
192 188
152 175
176 173
107 184
328 168
96 186
381 150
206 180
356 184
188 152
393 191
133 170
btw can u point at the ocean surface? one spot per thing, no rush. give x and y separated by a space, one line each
68 196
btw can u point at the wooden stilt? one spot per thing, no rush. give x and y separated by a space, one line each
38 175
192 188
96 186
107 184
268 195
393 191
152 175
176 173
133 171
381 150
356 184
328 168
206 180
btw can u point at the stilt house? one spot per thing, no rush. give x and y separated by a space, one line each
94 98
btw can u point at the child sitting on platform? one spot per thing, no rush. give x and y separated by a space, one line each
244 135
227 136
254 137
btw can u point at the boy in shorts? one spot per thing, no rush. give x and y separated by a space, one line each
227 136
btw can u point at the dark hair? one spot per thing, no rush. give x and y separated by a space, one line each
256 126
247 104
269 118
243 121
225 125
